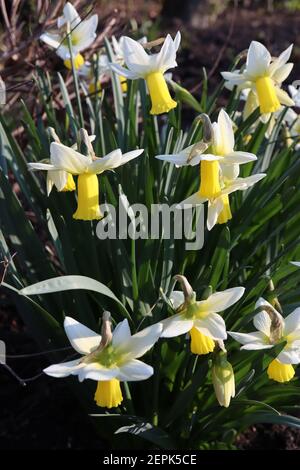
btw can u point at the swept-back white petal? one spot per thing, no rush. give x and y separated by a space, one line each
220 301
235 78
71 15
225 125
255 338
96 371
138 344
177 298
258 60
64 369
121 333
292 322
166 58
134 370
193 200
262 322
84 33
52 40
57 177
213 211
284 97
281 60
176 325
124 72
213 325
282 73
135 56
289 355
83 339
40 166
239 157
66 158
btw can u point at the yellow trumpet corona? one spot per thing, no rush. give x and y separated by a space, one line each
200 343
268 101
280 372
88 198
108 394
210 179
161 99
78 62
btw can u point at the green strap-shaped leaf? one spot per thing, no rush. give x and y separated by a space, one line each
63 283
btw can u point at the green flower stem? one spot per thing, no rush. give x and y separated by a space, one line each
75 77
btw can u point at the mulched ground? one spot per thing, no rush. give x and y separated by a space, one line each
41 415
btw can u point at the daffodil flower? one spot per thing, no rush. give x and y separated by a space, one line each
151 68
273 329
108 362
219 155
199 318
218 206
223 378
82 35
87 168
62 180
264 76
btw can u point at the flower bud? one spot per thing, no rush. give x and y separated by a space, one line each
223 379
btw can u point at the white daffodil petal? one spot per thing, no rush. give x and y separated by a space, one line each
239 157
281 60
71 15
282 73
134 370
176 325
289 355
141 342
84 34
121 333
81 338
220 301
258 60
64 369
292 322
295 263
126 157
213 326
166 58
284 97
177 298
256 346
214 209
66 158
124 72
235 78
135 56
225 125
57 177
262 322
256 337
95 371
261 302
40 166
177 41
52 40
194 200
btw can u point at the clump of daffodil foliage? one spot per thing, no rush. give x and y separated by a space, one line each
163 335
